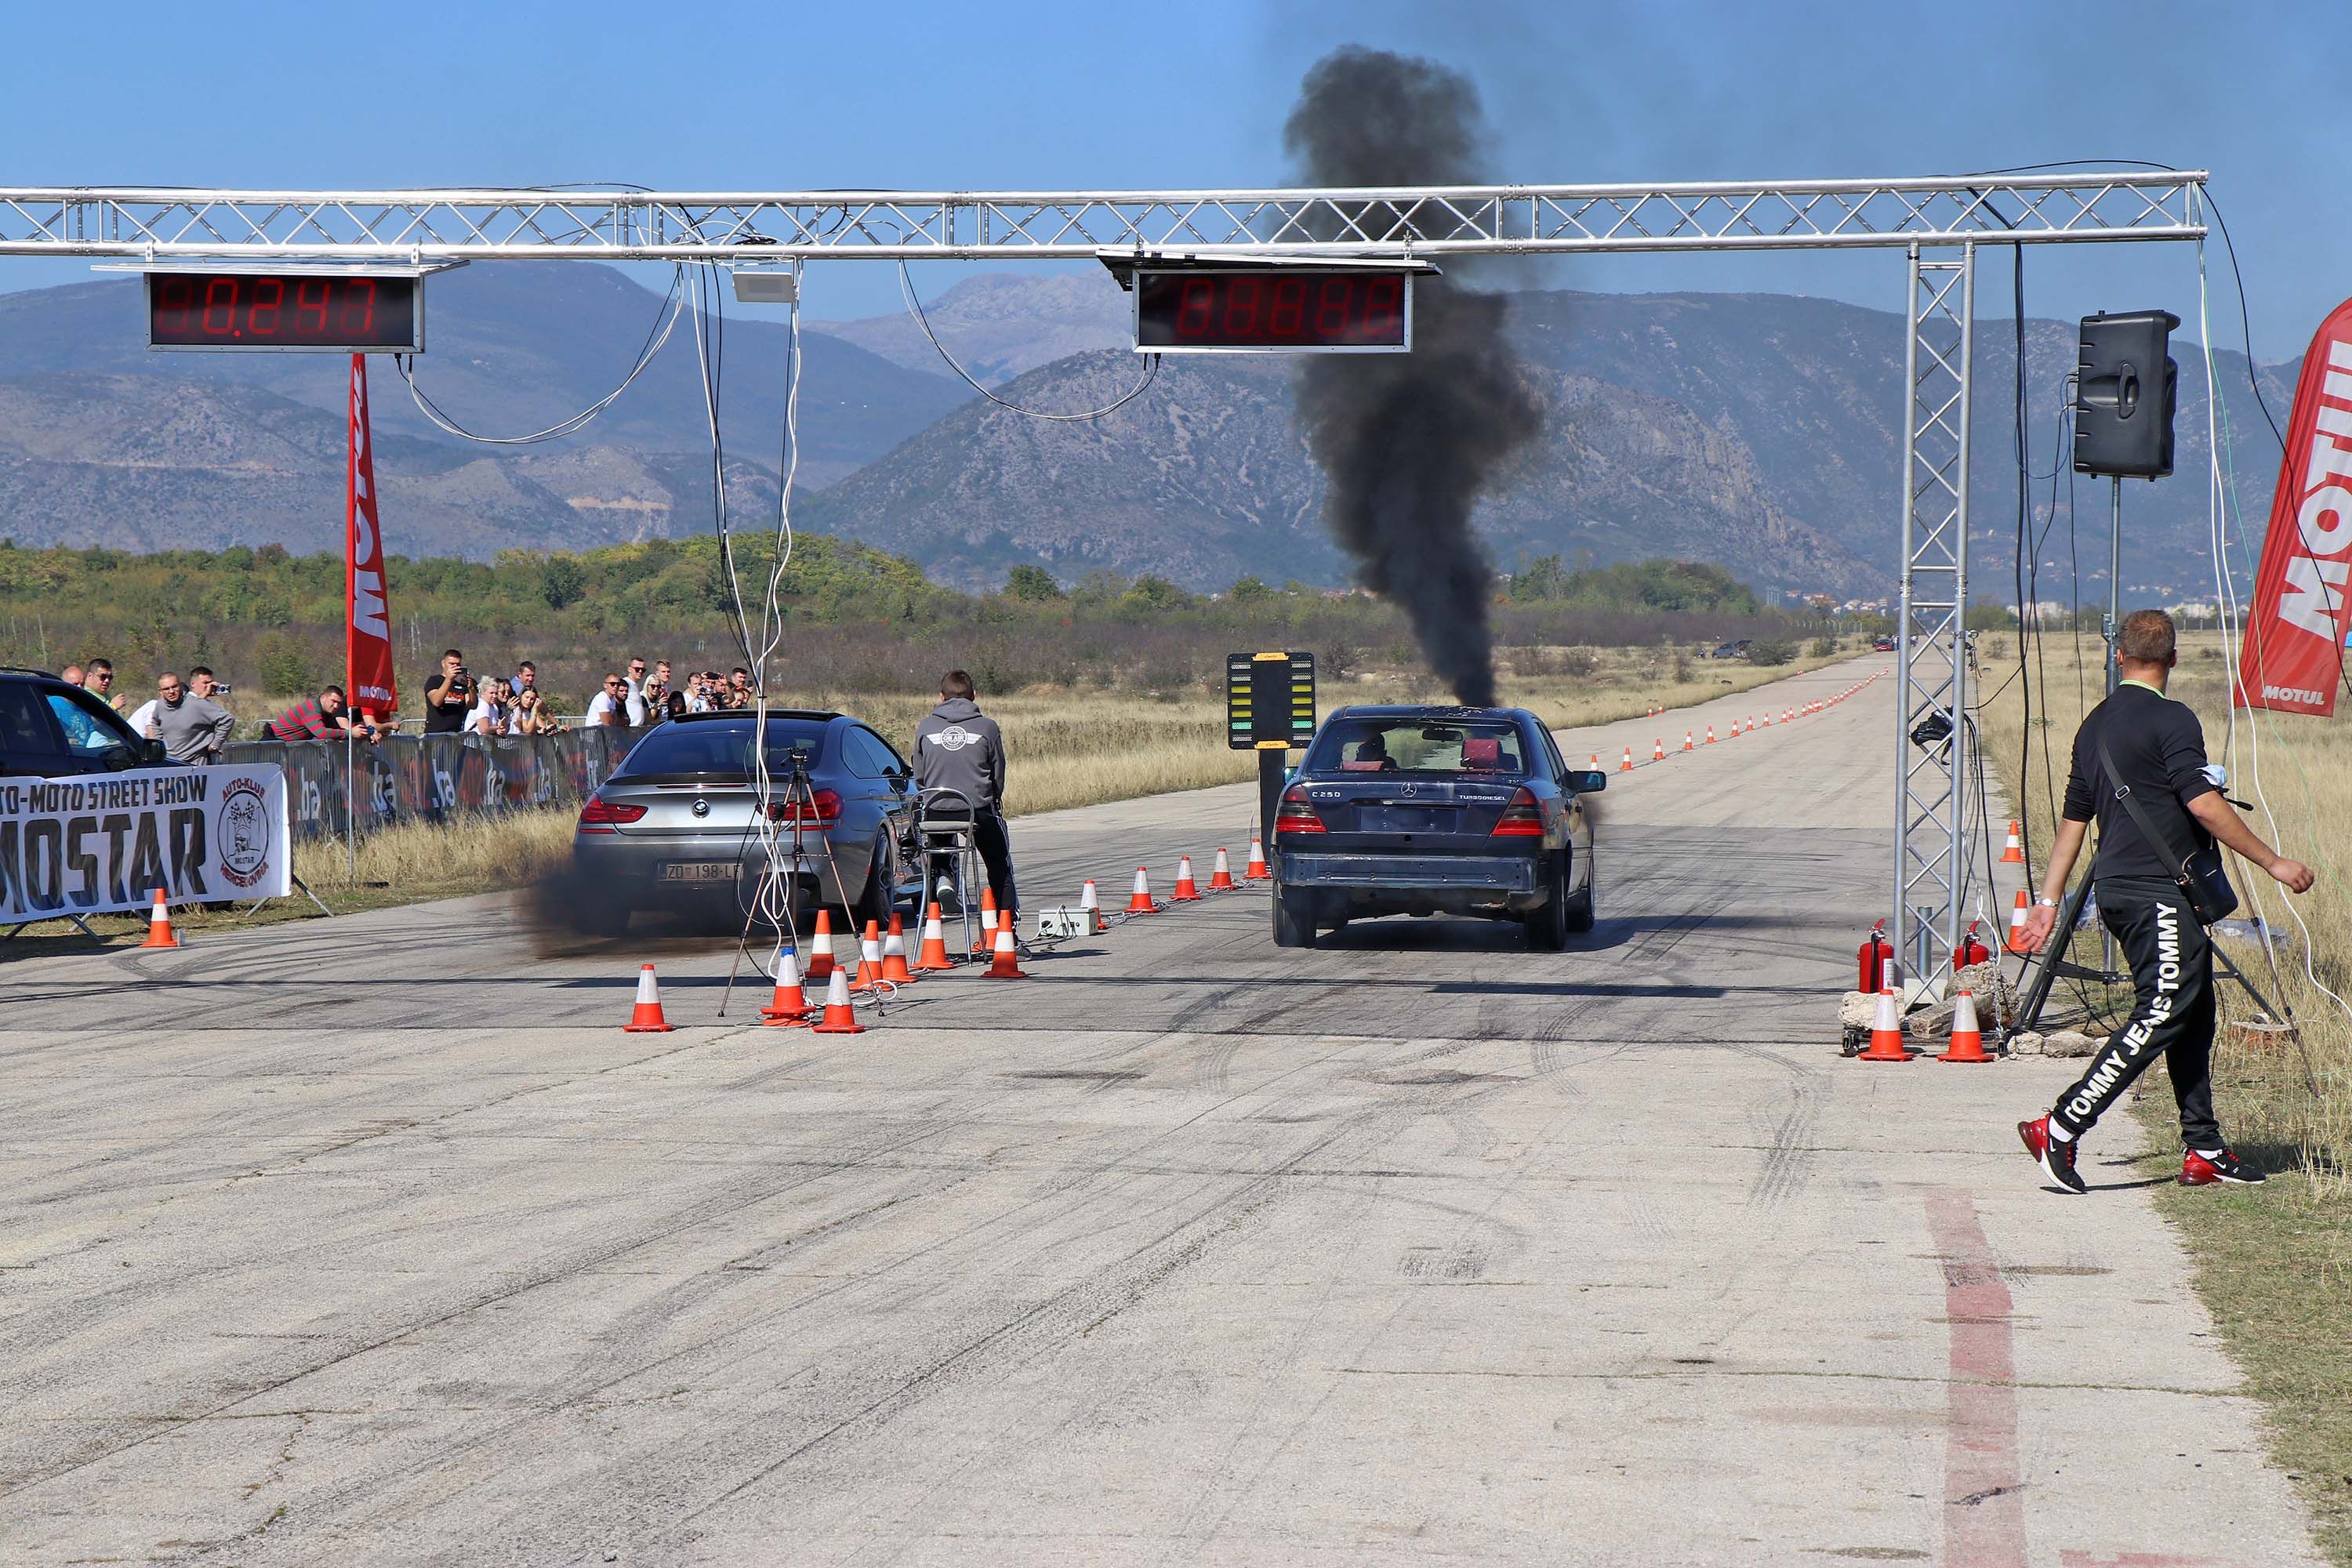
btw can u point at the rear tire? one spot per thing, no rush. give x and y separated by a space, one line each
1548 927
1580 908
1294 923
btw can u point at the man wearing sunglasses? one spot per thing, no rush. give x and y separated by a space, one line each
611 706
100 682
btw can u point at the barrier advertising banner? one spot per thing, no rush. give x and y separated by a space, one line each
367 615
432 778
102 843
2294 638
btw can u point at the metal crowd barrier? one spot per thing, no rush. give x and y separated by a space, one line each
426 778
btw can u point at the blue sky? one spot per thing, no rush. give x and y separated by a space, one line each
922 93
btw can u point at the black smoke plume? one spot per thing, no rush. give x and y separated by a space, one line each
1408 441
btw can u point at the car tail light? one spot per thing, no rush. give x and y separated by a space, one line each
600 815
1523 818
1295 816
821 809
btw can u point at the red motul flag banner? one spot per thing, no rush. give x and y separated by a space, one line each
367 630
2294 638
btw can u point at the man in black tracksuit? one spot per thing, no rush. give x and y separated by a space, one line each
959 748
2158 750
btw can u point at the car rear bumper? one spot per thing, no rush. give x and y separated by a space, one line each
1411 883
634 871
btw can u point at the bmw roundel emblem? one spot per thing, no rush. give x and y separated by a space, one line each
702 809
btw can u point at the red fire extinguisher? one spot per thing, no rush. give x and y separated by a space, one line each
1971 950
1871 958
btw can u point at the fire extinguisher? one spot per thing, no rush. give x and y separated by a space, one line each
1871 958
1971 950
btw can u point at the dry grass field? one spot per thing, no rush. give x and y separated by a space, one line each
2274 1263
1078 748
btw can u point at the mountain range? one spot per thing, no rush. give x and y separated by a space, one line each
1758 431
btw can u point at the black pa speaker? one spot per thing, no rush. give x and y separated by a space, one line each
2124 398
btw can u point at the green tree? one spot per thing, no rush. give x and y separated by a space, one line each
1249 590
1032 583
284 665
561 581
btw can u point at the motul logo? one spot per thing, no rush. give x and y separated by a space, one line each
2295 638
2323 523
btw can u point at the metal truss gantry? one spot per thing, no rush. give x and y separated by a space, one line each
152 223
1937 222
1934 745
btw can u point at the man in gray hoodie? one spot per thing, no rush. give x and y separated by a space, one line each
957 747
193 729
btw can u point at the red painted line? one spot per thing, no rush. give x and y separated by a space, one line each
1984 1502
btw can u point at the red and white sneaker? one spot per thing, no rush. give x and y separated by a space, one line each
2196 1171
2056 1159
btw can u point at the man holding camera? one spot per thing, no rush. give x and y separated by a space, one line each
2139 746
449 696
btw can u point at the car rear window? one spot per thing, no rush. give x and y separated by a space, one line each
688 748
1421 745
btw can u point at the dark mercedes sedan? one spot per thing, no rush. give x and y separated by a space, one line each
674 828
1425 811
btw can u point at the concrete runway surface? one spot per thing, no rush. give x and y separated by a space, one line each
376 1241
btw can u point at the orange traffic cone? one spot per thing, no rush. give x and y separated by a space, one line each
1658 750
820 965
870 959
1140 902
1006 963
934 955
791 1008
1221 879
1789 717
1090 903
894 953
1627 766
159 925
1686 740
986 939
840 1016
1885 1033
1768 718
2013 852
1595 763
1187 891
2015 942
646 1018
1710 734
1967 1041
1256 870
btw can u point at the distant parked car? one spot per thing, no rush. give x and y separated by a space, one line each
1883 645
1734 649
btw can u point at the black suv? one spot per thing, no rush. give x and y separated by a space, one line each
50 730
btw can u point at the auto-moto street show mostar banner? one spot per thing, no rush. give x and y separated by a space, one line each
102 843
2293 656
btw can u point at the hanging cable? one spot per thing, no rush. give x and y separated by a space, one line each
914 308
656 336
2218 493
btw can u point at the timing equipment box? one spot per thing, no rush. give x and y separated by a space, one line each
1063 920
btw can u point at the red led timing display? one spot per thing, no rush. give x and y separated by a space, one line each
1290 308
295 311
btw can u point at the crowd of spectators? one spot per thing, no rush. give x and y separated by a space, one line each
189 718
